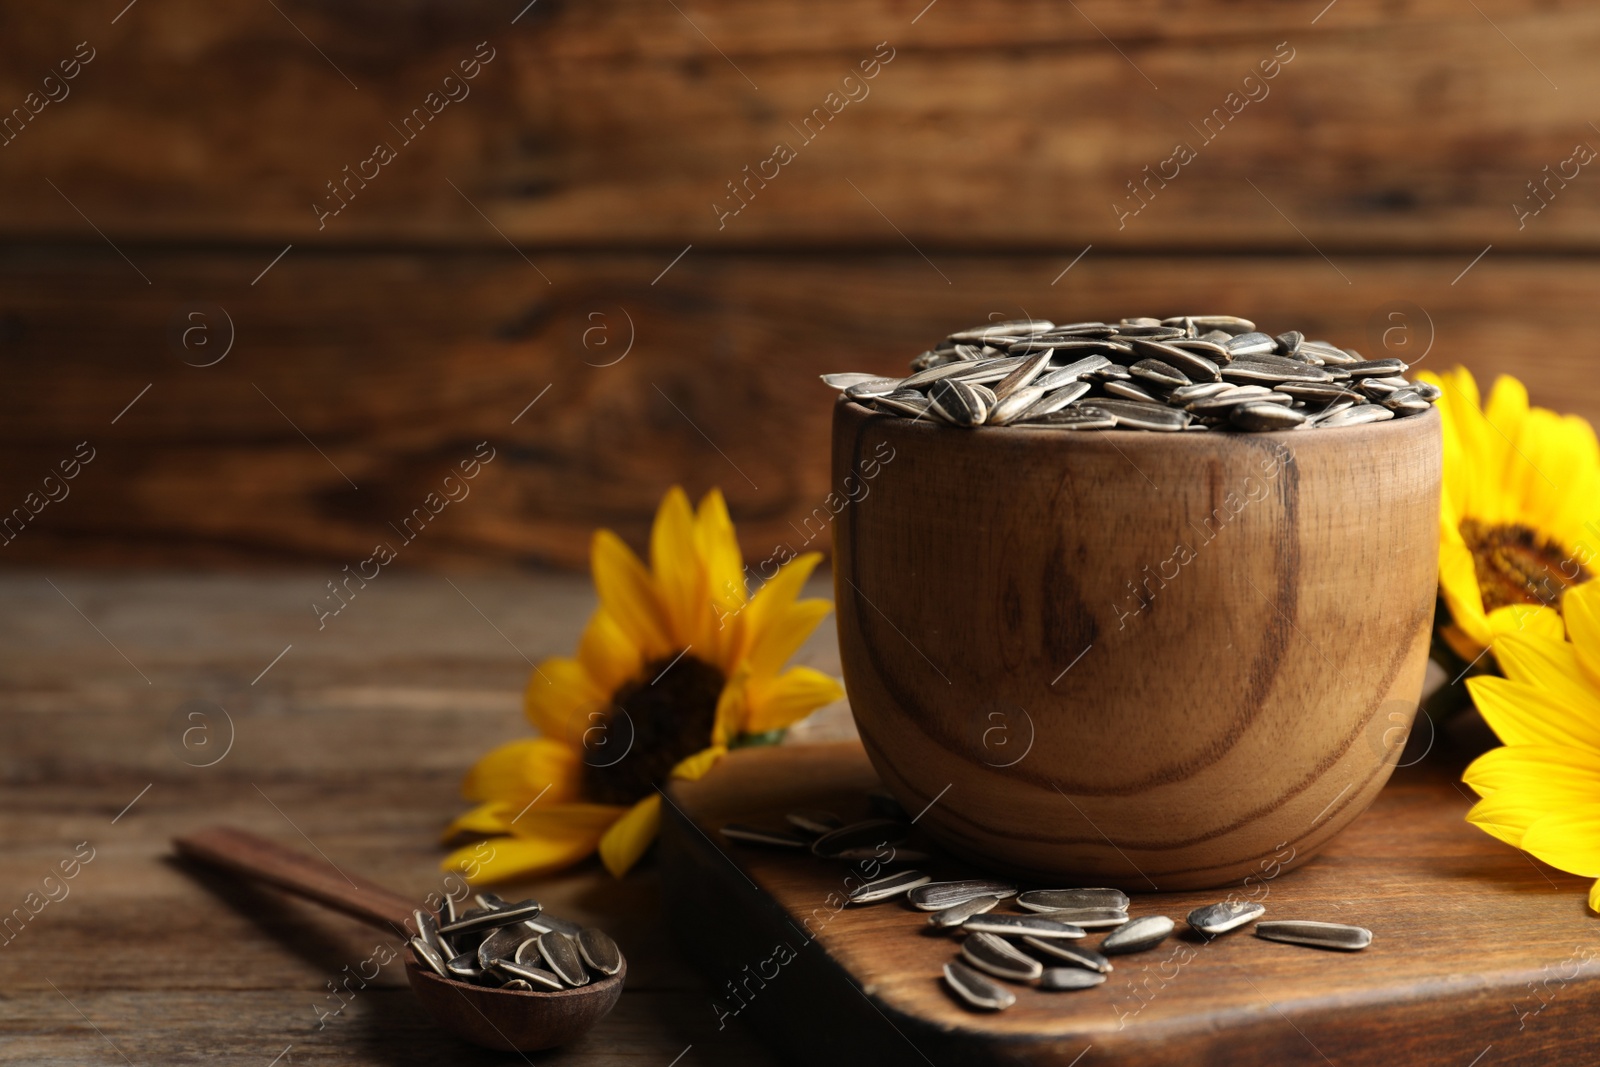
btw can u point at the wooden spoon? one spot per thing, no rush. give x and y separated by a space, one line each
503 1019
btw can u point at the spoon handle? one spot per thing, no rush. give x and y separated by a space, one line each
306 876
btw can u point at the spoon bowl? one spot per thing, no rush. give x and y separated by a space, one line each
505 1019
513 1020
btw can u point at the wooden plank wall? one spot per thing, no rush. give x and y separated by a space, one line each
560 229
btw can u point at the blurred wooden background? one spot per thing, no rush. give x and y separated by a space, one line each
550 237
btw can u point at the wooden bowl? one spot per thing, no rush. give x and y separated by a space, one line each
1141 659
510 1020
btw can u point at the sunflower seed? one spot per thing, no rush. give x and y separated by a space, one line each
1073 418
599 951
1260 416
1250 344
547 922
1211 350
960 401
976 991
814 823
537 977
1160 374
465 967
1111 372
1053 952
448 911
560 952
428 930
502 944
988 370
1018 925
932 374
755 835
1289 342
1137 935
1000 329
890 885
997 957
1082 329
1087 918
1130 391
429 956
518 985
1406 402
527 953
1190 364
872 388
867 834
1059 899
936 896
1428 391
1229 324
485 919
1056 400
1072 372
1017 405
844 381
1273 369
1214 919
1356 416
1151 330
1063 979
1317 392
956 914
1316 934
1029 369
1199 391
1143 416
1376 368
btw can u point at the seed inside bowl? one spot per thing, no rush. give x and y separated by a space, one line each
1190 372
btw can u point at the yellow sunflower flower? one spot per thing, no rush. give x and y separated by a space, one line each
1519 517
1541 792
676 664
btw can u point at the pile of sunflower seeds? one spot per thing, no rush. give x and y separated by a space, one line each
1034 945
1193 372
512 946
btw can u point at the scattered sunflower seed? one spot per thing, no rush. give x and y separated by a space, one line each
1063 979
1059 899
890 885
957 914
1019 925
1059 951
995 956
975 990
1317 934
1137 935
936 896
1214 919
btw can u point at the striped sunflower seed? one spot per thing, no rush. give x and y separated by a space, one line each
976 991
537 978
1055 953
1214 919
429 957
1260 415
1060 899
960 402
1316 934
957 914
1064 979
1157 373
1020 925
998 957
1137 935
936 896
560 952
1358 415
890 885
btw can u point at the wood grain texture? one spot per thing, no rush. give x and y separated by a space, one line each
356 739
1134 658
1474 946
1410 125
396 366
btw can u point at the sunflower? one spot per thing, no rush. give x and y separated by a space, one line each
1519 517
676 665
1541 792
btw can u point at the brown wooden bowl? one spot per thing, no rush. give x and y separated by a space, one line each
511 1020
1142 659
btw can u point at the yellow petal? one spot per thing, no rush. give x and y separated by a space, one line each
675 564
501 859
1553 667
1581 606
1535 619
774 598
628 594
560 694
785 700
1567 840
607 653
1560 776
551 821
732 708
630 835
1594 897
521 770
693 768
485 820
1506 815
719 549
1522 714
783 635
1458 583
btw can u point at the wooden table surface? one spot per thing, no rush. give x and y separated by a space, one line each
354 740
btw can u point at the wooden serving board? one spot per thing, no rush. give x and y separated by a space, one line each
1480 955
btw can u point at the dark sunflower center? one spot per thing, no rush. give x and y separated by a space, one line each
1516 565
661 717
